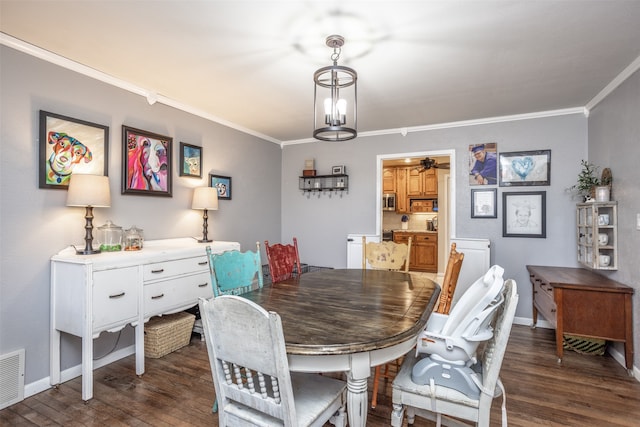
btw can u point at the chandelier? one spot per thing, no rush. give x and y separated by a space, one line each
335 98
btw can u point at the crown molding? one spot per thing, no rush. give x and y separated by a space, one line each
620 78
150 96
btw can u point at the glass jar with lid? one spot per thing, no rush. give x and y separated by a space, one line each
133 239
110 237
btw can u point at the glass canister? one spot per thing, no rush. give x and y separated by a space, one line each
133 239
110 237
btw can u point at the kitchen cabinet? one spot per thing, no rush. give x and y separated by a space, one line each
402 201
597 235
389 180
424 249
422 183
91 294
420 205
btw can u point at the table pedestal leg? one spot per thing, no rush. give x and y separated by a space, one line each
357 404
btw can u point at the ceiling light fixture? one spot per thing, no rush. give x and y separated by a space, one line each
335 91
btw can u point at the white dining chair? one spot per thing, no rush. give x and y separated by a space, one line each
251 372
440 403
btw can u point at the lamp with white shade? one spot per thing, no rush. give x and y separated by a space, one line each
88 191
205 198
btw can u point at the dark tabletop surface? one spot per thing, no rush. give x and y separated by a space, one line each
350 310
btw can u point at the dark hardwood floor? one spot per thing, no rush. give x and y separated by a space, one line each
177 390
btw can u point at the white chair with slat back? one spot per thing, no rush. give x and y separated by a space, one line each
439 403
251 373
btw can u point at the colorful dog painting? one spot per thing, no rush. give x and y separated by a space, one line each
67 152
147 163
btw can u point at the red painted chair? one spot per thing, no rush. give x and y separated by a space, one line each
284 260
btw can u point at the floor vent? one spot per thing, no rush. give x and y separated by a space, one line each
11 378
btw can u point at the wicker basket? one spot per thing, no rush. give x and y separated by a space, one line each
167 333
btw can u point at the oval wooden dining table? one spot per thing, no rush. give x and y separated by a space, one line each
349 320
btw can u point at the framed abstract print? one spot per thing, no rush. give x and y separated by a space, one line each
146 163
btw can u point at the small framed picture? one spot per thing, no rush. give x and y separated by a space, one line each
69 145
338 170
146 163
223 184
483 203
190 160
525 168
524 214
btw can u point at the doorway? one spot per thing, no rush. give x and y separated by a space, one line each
446 194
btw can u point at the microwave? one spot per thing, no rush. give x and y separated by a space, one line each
389 202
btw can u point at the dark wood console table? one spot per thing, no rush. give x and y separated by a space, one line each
580 302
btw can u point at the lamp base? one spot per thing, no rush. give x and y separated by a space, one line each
87 251
205 240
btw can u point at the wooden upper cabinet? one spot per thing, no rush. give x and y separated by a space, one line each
422 183
389 180
402 202
430 183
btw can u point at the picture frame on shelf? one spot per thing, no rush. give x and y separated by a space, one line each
190 160
146 163
223 184
69 145
525 168
524 214
484 203
338 170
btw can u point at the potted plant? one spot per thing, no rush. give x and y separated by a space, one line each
588 181
405 222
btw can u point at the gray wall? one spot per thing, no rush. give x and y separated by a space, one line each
321 224
614 142
35 223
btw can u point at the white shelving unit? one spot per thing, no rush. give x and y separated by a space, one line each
597 237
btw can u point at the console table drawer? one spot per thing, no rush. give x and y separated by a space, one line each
161 297
161 270
115 299
543 299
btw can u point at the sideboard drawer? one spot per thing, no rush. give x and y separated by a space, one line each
543 300
115 299
160 297
161 270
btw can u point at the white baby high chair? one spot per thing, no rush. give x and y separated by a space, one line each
451 341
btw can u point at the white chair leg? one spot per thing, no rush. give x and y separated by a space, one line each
397 414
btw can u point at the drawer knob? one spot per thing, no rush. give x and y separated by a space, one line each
203 263
157 296
202 285
117 295
157 271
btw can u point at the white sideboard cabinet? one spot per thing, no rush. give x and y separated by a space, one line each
91 294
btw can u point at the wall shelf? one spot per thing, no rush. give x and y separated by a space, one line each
320 183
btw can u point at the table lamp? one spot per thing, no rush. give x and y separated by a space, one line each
205 198
88 191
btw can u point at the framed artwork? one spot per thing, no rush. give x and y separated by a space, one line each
190 160
483 203
69 145
483 164
146 163
524 214
223 184
525 168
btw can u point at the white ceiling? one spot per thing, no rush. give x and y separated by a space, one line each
250 63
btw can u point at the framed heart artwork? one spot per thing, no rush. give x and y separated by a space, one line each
525 168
